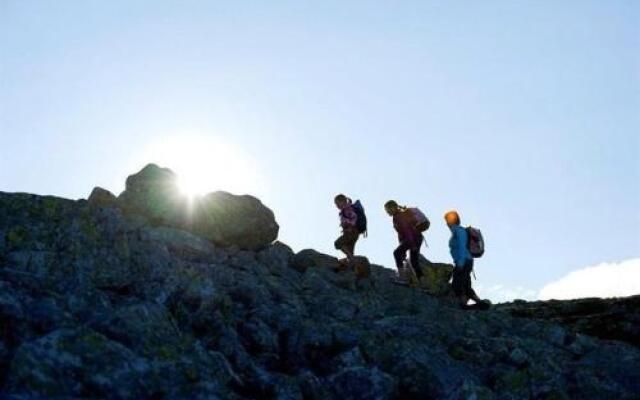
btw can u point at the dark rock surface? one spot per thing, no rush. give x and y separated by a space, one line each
437 277
97 302
100 197
224 218
612 319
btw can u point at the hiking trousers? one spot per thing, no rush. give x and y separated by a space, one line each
400 254
348 239
461 282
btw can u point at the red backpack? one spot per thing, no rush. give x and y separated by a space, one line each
475 244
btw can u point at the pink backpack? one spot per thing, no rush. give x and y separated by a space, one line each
421 222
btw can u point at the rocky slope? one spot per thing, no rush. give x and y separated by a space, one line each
146 295
612 319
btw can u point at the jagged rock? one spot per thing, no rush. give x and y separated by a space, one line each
223 218
276 257
362 267
614 319
518 357
310 258
147 328
230 220
74 363
100 303
360 383
437 276
153 192
100 197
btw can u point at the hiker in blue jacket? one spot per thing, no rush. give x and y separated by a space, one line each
463 262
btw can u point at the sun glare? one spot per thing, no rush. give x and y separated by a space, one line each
205 164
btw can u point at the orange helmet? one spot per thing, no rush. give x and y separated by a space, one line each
452 217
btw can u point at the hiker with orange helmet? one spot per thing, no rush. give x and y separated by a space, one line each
463 263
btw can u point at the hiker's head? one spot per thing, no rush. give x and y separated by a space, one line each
391 207
341 201
452 218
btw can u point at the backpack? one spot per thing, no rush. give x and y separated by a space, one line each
421 222
361 222
475 244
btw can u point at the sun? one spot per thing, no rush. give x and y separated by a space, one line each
206 163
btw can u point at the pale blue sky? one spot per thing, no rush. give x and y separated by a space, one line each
525 116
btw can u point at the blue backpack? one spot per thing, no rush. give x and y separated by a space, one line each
361 223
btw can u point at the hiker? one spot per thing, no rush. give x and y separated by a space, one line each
409 236
463 263
353 223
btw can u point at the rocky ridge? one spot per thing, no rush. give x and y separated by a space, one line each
611 319
146 295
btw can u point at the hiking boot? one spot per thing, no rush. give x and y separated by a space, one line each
483 305
397 278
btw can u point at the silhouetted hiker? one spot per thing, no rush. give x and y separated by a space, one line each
353 222
409 223
459 245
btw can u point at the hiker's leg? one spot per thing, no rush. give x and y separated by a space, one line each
469 292
415 259
347 252
343 243
400 254
339 242
457 286
415 262
348 247
473 296
352 243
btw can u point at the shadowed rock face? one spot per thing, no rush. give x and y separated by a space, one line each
613 319
230 220
99 302
153 192
225 219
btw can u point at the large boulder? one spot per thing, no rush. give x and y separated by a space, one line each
100 197
437 277
223 218
153 192
230 220
309 258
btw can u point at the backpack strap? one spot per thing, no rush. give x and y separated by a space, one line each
424 239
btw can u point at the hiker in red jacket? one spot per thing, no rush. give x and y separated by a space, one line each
409 236
349 224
